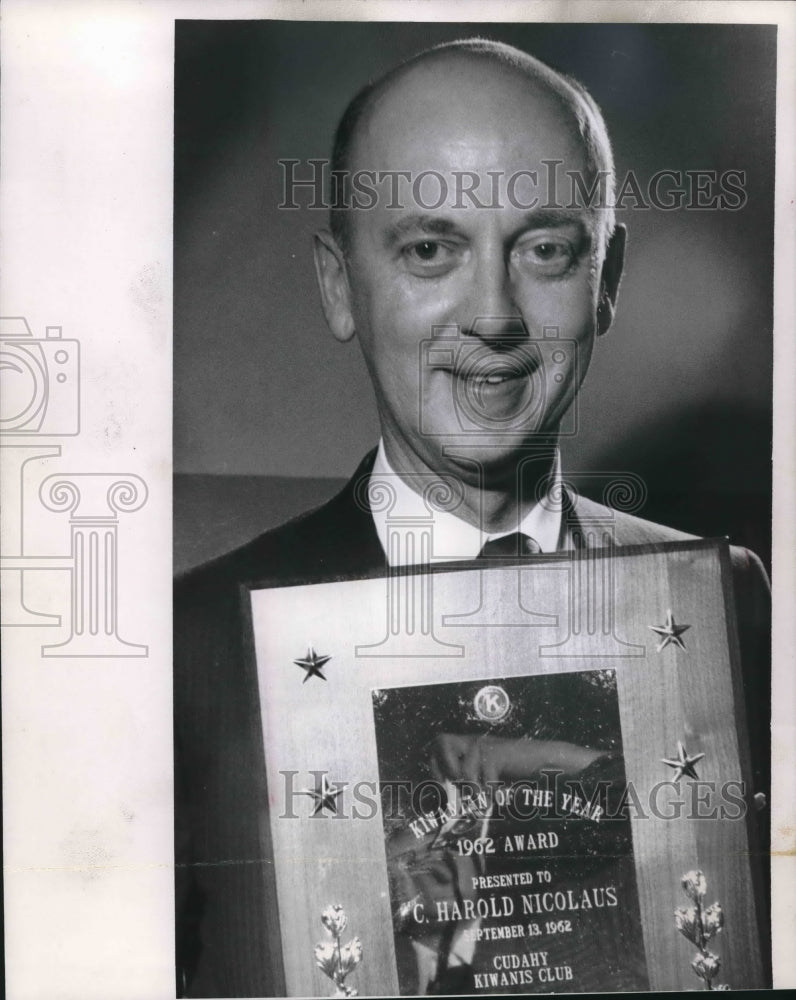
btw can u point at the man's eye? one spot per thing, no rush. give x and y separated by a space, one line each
429 258
547 251
549 257
425 251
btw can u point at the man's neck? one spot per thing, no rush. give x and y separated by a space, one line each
494 500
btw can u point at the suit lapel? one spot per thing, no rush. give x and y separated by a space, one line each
353 542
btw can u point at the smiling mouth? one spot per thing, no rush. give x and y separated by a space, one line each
492 371
492 378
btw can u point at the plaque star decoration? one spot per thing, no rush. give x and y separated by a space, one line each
325 797
683 763
670 631
312 663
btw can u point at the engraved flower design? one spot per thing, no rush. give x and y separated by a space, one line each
350 955
326 958
700 923
694 885
687 923
334 919
713 920
335 959
706 965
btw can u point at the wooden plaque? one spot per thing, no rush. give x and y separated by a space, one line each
616 669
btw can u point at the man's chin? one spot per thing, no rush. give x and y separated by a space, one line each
490 460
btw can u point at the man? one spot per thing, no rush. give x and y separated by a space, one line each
455 287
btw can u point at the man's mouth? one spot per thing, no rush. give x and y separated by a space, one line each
493 378
490 371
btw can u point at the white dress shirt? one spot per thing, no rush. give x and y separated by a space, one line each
451 537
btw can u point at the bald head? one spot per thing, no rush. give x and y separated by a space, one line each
494 85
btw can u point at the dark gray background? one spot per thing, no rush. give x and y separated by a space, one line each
680 390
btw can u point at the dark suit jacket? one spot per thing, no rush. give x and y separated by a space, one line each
223 875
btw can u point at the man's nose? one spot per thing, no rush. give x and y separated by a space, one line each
493 314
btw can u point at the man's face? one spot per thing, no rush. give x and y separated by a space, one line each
455 306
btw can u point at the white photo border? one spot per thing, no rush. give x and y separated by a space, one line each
86 199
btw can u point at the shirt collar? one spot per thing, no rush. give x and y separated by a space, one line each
451 538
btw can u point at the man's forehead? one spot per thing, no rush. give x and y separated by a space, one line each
460 112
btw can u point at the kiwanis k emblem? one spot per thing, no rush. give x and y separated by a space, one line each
492 703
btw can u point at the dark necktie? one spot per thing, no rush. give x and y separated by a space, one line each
513 546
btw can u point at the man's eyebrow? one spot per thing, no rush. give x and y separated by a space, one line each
559 218
419 222
552 218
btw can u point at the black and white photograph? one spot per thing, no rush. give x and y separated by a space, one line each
396 436
527 271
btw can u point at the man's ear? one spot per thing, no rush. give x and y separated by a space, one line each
609 280
333 284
